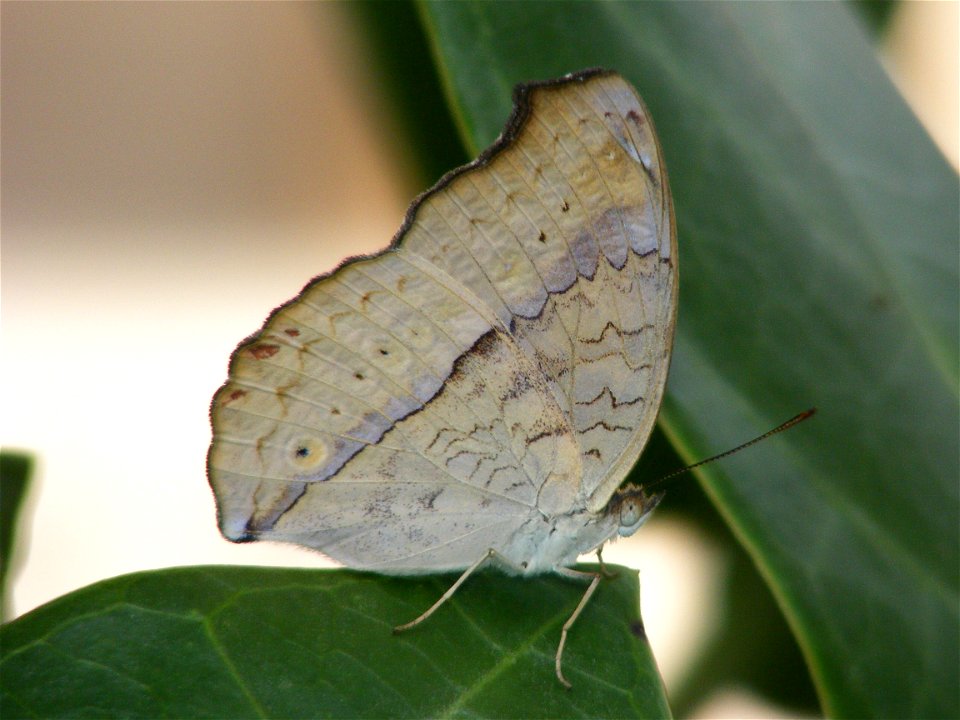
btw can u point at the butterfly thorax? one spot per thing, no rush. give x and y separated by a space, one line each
543 544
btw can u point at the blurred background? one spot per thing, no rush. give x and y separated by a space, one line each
172 172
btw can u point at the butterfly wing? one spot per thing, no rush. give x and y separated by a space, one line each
501 361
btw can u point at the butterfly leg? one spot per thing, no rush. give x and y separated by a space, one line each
490 554
594 582
603 568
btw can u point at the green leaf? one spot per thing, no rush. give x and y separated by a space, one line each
409 83
818 262
876 14
262 642
15 471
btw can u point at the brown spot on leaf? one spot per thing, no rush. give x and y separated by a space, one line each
879 301
292 332
565 206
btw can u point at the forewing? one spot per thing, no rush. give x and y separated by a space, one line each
380 418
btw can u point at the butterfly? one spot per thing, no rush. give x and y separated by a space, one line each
476 392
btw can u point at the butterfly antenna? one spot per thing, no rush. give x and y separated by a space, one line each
796 419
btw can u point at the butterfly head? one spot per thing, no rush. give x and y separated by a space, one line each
631 506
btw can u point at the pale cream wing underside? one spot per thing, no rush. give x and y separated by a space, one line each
504 359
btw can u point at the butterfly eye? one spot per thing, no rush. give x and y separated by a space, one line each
631 517
635 508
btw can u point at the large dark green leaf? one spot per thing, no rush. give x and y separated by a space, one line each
819 254
409 83
259 642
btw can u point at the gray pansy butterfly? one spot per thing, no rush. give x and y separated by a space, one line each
479 390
